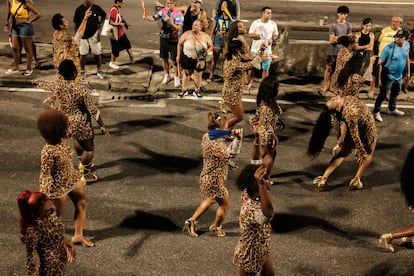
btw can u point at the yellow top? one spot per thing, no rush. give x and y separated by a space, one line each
22 12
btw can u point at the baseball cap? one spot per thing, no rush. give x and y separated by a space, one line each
400 33
199 1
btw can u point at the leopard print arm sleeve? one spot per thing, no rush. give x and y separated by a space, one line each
46 163
32 260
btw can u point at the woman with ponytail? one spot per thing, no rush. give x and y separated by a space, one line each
356 132
43 234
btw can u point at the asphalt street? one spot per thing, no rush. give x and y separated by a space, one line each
148 186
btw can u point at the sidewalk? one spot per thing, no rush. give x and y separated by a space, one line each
142 80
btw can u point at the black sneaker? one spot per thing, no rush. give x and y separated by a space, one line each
197 93
183 93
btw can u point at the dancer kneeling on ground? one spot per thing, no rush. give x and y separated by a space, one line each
252 253
356 132
76 102
406 235
58 178
43 234
216 163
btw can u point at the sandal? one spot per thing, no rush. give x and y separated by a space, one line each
11 72
209 80
218 231
190 226
28 72
319 182
91 177
82 241
322 91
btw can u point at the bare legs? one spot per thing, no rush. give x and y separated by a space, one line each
326 78
221 212
267 269
216 54
77 196
237 114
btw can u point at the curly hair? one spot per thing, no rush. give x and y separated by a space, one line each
68 69
246 180
233 47
53 126
268 90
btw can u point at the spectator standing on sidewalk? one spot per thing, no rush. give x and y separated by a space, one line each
193 46
337 29
394 59
172 20
21 29
192 13
123 43
411 57
91 37
234 3
221 25
386 37
264 33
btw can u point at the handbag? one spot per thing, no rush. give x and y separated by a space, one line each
109 30
201 64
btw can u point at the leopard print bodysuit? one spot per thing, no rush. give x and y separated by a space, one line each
267 119
57 174
76 102
355 124
343 56
216 161
352 86
46 252
254 243
232 75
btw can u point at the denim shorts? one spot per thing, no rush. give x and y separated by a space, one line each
23 30
219 41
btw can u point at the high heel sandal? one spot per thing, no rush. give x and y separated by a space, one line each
386 241
82 241
319 182
190 227
355 184
217 230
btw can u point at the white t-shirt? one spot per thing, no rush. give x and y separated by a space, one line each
265 30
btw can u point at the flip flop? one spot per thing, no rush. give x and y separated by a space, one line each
209 80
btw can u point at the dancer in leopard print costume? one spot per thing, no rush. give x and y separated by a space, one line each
233 69
76 102
216 162
43 234
252 253
356 132
58 178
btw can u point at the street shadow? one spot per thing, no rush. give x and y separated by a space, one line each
283 223
156 163
392 267
142 220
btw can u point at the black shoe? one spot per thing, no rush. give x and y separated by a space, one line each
197 93
183 93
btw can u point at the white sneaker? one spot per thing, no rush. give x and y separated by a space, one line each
177 82
113 65
378 117
397 112
166 79
100 75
